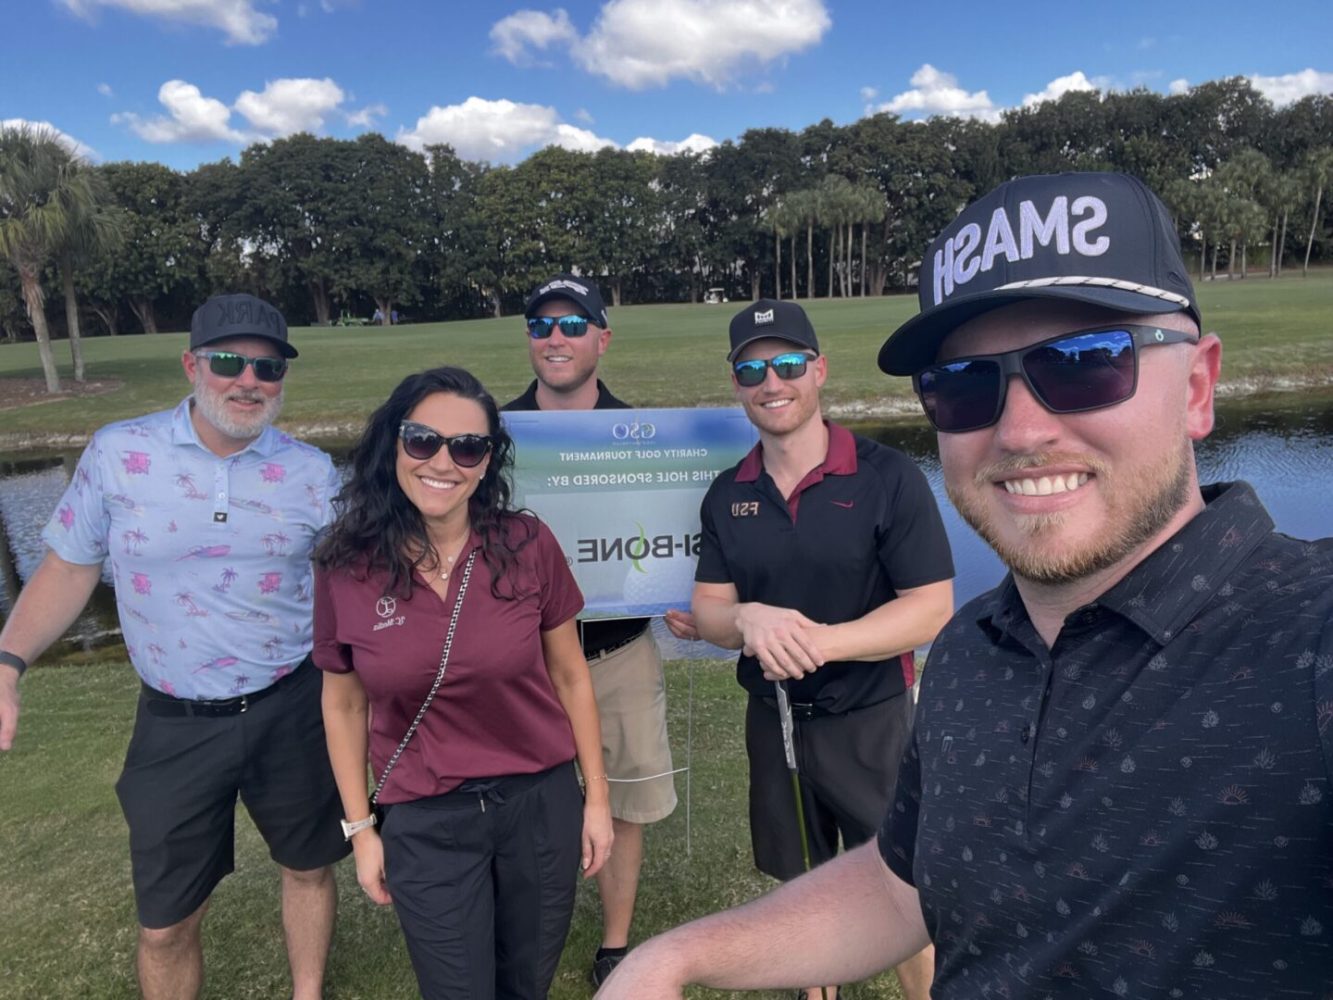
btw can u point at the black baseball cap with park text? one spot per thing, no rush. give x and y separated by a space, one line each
239 315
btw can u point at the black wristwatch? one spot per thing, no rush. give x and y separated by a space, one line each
14 660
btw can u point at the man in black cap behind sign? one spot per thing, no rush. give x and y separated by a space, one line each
568 332
205 515
824 560
1119 780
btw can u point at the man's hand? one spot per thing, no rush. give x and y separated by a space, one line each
681 625
9 705
780 639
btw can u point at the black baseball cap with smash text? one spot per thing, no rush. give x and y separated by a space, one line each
580 291
240 315
1099 238
771 318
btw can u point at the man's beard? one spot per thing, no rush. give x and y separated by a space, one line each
1132 519
212 406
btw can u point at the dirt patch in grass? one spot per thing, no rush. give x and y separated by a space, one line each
16 393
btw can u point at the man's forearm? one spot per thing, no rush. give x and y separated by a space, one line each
844 921
48 605
715 621
900 626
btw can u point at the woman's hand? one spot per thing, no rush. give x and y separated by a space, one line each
368 852
597 836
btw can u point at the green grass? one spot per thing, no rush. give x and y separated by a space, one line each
1276 334
67 905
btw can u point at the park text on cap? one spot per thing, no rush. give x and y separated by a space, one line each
1104 239
771 318
239 315
580 291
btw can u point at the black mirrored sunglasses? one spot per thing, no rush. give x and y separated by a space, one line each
541 327
229 364
1072 373
422 442
786 366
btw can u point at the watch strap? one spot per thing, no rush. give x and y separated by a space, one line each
13 660
350 830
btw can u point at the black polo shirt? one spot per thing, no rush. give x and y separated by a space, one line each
598 634
1145 809
857 528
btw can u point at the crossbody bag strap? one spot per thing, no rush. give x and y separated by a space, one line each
439 678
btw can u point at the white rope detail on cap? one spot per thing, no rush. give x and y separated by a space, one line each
1115 283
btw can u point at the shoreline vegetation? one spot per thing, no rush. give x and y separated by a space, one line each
1277 339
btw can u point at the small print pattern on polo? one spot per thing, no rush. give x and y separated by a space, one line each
210 556
1145 809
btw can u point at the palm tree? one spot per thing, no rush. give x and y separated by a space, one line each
1318 171
93 228
49 207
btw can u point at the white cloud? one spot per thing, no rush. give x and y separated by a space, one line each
501 130
105 90
1178 86
515 36
584 115
869 93
191 117
693 143
648 43
365 117
935 92
64 138
1291 87
237 19
290 105
1058 87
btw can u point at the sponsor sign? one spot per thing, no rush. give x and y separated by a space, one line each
621 491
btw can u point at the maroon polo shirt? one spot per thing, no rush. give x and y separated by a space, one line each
496 712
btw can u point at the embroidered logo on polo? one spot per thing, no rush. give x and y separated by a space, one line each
845 504
385 608
760 318
750 508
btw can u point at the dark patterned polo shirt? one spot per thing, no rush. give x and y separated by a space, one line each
1143 810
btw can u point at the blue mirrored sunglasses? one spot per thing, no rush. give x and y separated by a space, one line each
541 327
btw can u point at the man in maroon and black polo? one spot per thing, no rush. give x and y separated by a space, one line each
824 560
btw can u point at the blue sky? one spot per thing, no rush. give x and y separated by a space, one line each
191 81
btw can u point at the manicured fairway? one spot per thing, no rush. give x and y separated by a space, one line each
1278 334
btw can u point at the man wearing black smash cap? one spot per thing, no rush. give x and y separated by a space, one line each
205 516
568 332
823 559
1119 779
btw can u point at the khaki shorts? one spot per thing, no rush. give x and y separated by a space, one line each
631 700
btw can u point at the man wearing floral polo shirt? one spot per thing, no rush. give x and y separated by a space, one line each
206 515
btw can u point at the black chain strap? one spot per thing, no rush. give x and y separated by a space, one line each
439 678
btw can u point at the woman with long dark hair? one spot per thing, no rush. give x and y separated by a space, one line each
444 620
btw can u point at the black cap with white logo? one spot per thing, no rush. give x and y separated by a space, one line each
771 318
225 316
580 291
1104 239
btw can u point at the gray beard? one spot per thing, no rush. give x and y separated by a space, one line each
212 407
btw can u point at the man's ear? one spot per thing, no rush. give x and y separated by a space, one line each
1205 368
190 363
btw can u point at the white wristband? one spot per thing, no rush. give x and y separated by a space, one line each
350 830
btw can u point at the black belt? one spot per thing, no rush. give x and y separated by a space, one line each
608 650
164 705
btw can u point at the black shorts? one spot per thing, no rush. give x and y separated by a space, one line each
848 765
180 782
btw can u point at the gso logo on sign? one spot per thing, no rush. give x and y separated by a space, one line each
636 431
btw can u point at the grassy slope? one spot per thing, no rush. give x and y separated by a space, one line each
666 355
67 903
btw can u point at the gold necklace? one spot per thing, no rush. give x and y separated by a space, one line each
447 563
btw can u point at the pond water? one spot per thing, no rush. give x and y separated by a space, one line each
1283 446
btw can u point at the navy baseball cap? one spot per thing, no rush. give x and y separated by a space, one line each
771 318
1099 238
580 291
225 316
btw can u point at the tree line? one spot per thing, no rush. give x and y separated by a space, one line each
333 229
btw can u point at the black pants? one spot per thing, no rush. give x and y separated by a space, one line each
483 882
